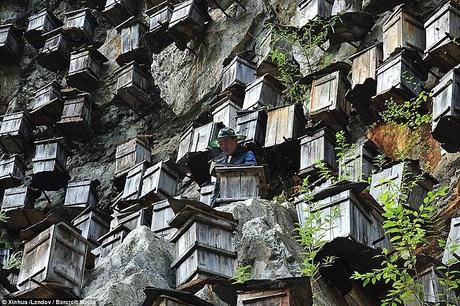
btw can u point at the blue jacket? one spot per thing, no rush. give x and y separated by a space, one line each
241 157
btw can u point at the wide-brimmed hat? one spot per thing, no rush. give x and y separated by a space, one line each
226 133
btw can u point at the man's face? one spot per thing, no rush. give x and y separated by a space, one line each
228 145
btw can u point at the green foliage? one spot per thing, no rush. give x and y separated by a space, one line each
15 260
407 114
325 172
242 274
408 229
304 41
281 198
312 236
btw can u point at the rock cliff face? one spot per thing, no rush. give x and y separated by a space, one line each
187 84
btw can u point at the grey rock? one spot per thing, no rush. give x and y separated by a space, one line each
265 238
142 260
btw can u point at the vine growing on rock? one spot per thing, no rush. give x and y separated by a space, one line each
410 230
312 235
304 41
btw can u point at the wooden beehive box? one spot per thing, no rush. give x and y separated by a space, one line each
284 123
133 185
162 214
226 111
240 183
49 165
188 21
159 182
446 111
311 9
16 133
279 292
451 255
318 145
80 195
364 74
358 162
92 225
47 104
134 85
327 100
110 240
85 69
203 243
133 220
11 172
253 125
41 23
434 293
206 193
55 259
442 31
351 216
55 54
80 25
237 74
11 44
131 153
133 45
263 91
117 11
398 79
157 35
392 177
402 31
18 204
75 120
197 139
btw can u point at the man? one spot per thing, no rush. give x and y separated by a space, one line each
233 154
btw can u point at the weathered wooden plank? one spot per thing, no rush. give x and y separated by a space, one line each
47 104
226 111
252 125
237 74
318 145
159 182
133 45
263 91
55 54
327 100
49 165
239 183
392 177
117 11
188 21
402 30
40 23
11 44
56 257
159 17
85 69
162 214
131 153
310 9
446 111
451 254
80 25
135 85
92 225
16 133
284 123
